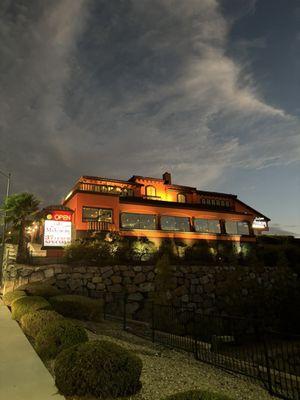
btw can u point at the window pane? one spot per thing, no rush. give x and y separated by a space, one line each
169 223
181 198
207 225
96 214
243 228
105 215
214 226
89 214
150 191
138 221
231 227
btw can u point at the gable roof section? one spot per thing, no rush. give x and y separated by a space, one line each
253 209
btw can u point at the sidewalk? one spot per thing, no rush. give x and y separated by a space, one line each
23 376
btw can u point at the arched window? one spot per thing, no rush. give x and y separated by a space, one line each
181 198
150 191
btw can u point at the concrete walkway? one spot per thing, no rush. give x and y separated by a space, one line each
23 376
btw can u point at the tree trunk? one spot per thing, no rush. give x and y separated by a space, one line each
21 255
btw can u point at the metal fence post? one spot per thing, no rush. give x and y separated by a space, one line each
152 322
104 306
124 311
266 354
195 334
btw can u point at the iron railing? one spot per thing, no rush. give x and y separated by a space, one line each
240 345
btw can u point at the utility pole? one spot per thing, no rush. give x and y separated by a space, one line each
8 177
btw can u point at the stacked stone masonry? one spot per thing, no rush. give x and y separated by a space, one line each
194 286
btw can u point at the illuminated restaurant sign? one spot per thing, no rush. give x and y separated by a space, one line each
58 229
259 223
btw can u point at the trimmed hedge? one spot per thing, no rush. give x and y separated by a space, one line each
98 368
33 322
10 297
28 304
57 336
79 307
197 395
40 289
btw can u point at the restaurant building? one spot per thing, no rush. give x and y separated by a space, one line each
157 208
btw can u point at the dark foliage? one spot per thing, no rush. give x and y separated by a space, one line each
98 368
33 322
58 335
28 304
10 297
197 395
80 307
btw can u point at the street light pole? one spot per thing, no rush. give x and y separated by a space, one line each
8 177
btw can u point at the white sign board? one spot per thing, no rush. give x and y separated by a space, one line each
259 223
57 233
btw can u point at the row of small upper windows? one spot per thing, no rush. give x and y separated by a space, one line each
181 198
215 202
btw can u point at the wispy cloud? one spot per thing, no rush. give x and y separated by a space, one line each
97 87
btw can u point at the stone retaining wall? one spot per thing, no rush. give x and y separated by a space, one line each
198 286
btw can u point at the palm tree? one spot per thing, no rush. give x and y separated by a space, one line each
20 210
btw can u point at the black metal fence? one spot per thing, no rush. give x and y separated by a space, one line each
239 345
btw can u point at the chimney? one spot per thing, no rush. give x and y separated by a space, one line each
167 178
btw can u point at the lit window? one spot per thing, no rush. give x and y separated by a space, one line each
96 214
237 227
150 191
207 225
181 198
181 224
138 221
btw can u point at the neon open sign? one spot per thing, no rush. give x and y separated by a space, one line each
58 229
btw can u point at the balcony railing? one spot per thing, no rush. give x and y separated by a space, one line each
101 226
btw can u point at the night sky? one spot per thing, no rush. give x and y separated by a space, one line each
208 90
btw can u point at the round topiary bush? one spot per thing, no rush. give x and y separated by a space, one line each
9 297
57 336
80 307
28 304
99 368
40 289
197 395
33 322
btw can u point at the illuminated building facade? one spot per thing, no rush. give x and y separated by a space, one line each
156 209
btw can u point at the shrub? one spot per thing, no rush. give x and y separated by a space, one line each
33 322
57 336
99 368
9 297
41 289
28 304
197 395
92 252
75 306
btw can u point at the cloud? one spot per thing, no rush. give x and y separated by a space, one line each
287 230
110 88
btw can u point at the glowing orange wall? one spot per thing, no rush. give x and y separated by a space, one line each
93 200
112 202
